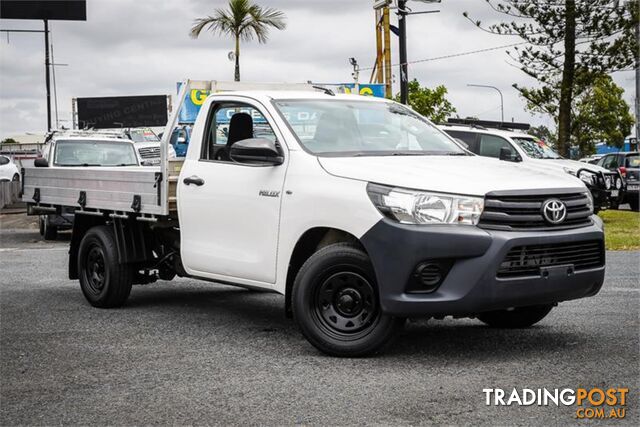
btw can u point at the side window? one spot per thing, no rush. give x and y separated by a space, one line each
610 162
490 145
229 123
469 138
4 160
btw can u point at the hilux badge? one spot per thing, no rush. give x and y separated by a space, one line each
554 211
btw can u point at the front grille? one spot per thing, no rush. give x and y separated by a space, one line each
527 260
149 152
515 212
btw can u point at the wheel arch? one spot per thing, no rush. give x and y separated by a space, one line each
308 243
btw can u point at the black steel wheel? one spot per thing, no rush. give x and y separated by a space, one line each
95 271
345 304
104 282
336 304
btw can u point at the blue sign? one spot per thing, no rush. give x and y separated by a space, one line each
191 106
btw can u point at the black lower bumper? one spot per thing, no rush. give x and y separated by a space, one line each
471 285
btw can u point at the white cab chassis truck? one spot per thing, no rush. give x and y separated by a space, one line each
358 210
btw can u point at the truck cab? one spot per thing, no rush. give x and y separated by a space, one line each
357 210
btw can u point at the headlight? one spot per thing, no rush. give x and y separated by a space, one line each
587 177
607 181
590 202
618 183
421 207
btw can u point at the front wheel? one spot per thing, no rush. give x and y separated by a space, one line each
521 317
336 304
635 205
16 177
105 283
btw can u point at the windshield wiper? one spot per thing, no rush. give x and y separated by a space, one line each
456 154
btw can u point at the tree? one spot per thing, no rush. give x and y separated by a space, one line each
566 39
431 103
600 114
9 141
245 21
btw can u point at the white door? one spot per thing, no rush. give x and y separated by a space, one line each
229 212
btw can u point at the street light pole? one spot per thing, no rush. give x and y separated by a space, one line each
501 98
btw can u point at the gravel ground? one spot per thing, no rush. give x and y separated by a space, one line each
188 352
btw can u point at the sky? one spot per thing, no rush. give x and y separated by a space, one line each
142 47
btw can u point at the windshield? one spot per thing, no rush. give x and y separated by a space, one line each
536 148
352 128
143 135
94 153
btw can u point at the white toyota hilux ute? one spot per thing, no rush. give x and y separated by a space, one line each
359 211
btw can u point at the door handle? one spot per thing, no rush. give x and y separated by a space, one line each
193 180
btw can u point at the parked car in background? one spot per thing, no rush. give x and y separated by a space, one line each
81 149
180 140
628 163
147 145
606 186
8 170
591 159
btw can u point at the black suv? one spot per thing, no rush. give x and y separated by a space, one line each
629 165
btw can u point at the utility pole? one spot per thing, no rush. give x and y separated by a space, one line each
46 72
402 47
637 86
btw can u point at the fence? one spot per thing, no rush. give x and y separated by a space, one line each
9 191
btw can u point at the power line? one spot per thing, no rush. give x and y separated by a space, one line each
453 55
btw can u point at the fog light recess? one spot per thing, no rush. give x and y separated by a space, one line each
429 275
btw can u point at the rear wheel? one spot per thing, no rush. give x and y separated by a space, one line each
521 317
336 304
41 225
50 232
104 282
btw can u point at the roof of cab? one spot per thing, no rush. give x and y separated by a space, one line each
492 131
291 94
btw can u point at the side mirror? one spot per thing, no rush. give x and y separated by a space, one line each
41 162
508 155
256 151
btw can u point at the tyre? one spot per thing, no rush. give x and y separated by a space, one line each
16 177
635 206
104 282
41 224
335 303
50 232
521 317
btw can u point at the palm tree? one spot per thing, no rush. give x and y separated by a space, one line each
244 20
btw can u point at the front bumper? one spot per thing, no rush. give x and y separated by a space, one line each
471 285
